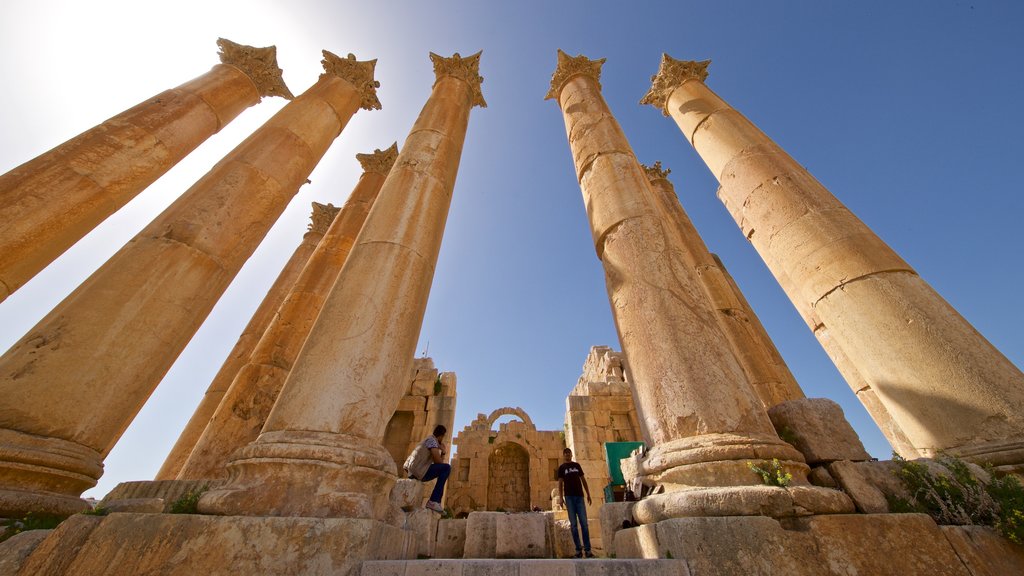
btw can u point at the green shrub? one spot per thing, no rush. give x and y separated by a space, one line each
188 502
29 521
97 511
771 473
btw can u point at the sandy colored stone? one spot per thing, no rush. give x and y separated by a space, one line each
808 500
16 549
451 538
859 486
522 536
406 494
819 476
561 535
423 524
137 505
731 501
818 429
983 551
481 534
638 542
613 515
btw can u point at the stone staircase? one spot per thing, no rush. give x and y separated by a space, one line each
485 567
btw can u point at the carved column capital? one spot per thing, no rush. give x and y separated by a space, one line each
322 216
466 69
259 64
656 172
671 75
359 74
571 66
380 161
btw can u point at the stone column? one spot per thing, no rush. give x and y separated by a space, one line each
320 219
700 415
256 385
73 384
52 201
761 362
320 453
946 387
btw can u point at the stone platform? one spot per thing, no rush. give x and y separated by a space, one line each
592 567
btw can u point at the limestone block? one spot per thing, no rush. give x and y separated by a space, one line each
407 494
809 500
726 501
522 536
423 524
818 429
867 483
739 545
613 515
16 549
140 505
577 403
451 538
819 476
412 404
640 542
983 551
422 387
481 531
562 538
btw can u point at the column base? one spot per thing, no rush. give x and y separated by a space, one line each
309 474
45 475
772 501
1006 456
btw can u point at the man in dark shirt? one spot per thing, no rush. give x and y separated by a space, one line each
571 486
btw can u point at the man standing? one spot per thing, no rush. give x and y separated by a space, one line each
571 486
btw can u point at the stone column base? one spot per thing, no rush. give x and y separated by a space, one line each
44 475
772 501
1007 457
189 544
718 460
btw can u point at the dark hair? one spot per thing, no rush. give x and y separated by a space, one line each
440 430
564 450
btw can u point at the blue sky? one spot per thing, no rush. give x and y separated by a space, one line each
908 112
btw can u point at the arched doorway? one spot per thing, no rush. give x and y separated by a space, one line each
508 482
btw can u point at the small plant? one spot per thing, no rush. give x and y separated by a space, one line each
188 502
437 386
771 473
97 511
28 522
787 435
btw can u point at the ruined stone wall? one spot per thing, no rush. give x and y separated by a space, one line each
429 400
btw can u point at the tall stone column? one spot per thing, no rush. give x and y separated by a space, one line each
946 387
761 362
320 220
320 454
257 384
72 385
52 201
698 411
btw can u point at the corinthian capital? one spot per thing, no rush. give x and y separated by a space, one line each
359 74
570 67
671 75
259 64
466 69
656 172
321 218
380 161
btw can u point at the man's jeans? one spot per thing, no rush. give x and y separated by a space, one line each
441 472
578 514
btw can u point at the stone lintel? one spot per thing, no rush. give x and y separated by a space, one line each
466 69
656 172
359 74
322 216
570 67
380 161
259 64
672 74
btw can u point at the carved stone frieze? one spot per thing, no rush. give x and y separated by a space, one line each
380 161
656 172
572 66
671 75
259 64
466 69
359 74
322 216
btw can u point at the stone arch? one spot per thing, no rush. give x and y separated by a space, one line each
508 411
508 482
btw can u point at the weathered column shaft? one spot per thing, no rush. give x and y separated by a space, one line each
946 387
244 409
80 376
320 452
320 219
697 407
761 362
52 201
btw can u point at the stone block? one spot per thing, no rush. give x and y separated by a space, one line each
139 505
412 404
407 494
613 515
726 501
640 542
451 538
423 524
522 536
737 545
168 490
481 531
819 476
867 483
561 535
818 429
16 549
422 387
983 551
809 500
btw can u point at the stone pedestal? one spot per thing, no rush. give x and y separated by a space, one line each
78 378
698 411
321 218
254 389
947 388
52 201
320 452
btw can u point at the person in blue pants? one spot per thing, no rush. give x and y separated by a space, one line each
571 487
438 468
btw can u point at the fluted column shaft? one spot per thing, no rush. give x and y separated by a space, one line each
761 362
52 201
80 376
257 384
242 350
320 452
696 406
944 384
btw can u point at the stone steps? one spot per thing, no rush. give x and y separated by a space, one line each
482 567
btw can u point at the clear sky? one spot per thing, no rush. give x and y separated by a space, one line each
909 112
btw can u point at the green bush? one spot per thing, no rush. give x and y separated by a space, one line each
188 502
28 522
771 473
